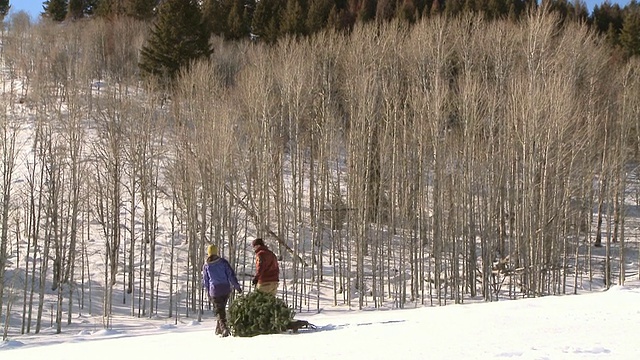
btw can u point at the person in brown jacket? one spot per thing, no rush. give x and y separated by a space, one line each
267 270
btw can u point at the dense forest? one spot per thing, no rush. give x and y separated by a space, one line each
269 20
459 155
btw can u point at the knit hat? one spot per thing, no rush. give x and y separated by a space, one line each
257 242
212 250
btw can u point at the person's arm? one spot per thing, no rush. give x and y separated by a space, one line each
231 275
275 264
259 269
205 277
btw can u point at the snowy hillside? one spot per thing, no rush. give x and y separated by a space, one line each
600 325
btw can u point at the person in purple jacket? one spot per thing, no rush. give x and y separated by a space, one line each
218 278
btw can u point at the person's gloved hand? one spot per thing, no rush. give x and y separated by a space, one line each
255 281
239 290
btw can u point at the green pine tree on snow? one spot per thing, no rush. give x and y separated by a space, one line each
257 313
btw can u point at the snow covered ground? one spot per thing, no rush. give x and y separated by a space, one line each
602 325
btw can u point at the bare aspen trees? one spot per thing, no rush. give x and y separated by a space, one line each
629 109
208 153
363 154
393 166
8 134
109 172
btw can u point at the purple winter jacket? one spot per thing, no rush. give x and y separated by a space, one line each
218 277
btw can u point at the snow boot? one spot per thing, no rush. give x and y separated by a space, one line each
222 329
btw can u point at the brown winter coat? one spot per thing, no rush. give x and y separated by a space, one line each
266 266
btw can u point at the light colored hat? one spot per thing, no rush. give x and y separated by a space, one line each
212 250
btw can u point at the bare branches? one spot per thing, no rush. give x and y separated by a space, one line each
438 163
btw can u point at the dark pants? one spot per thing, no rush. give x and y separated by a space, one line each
220 305
219 309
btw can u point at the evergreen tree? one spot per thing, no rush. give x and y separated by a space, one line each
293 19
258 313
630 33
407 11
607 19
452 8
606 16
435 8
266 20
4 9
178 37
55 10
318 14
568 11
340 19
238 21
91 6
367 10
141 9
612 35
111 8
216 13
385 10
420 6
76 9
497 9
